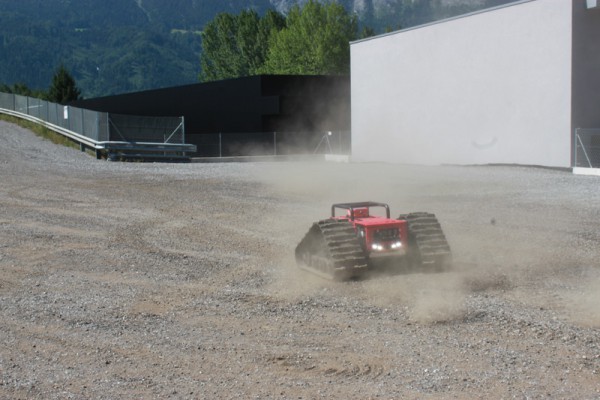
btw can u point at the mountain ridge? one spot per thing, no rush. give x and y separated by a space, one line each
117 46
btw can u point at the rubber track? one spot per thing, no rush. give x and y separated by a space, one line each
331 249
425 233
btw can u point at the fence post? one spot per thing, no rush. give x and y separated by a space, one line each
575 146
182 129
585 153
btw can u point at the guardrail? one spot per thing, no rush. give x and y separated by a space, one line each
143 138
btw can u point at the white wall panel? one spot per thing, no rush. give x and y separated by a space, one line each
490 87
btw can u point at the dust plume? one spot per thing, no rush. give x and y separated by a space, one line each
427 298
439 299
293 284
509 239
582 303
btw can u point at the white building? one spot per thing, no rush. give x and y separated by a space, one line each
504 85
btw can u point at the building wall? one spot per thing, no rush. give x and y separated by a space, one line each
586 66
489 87
300 108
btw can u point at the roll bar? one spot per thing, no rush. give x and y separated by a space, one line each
361 204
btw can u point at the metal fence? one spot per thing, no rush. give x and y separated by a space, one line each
131 128
101 130
90 124
272 143
587 148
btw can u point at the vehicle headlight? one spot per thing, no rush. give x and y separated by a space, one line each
377 247
396 245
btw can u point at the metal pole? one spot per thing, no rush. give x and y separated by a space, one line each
183 133
575 146
183 129
584 152
275 143
82 123
220 146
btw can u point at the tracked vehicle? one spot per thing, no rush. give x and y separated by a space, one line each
364 239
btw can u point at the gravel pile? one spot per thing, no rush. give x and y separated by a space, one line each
131 280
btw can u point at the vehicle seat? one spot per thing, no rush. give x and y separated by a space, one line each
362 212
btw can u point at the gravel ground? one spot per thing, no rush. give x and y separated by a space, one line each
130 280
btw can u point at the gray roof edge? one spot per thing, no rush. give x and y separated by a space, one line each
441 21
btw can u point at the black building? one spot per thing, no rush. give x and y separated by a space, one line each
288 114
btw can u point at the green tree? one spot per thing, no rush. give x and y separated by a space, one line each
236 45
366 32
268 26
63 88
316 40
23 90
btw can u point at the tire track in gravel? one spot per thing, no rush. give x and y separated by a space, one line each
314 365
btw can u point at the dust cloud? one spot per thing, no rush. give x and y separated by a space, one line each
294 284
503 243
581 306
427 298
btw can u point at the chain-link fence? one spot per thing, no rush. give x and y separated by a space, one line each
131 128
100 128
118 136
87 123
272 143
587 148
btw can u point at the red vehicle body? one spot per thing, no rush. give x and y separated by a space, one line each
379 235
364 238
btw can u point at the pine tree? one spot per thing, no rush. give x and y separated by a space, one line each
63 88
